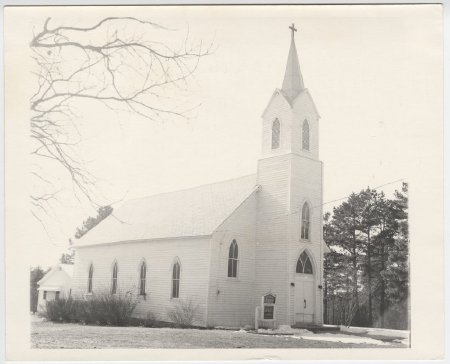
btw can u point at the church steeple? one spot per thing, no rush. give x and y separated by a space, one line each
293 81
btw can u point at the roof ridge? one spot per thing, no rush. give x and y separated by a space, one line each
190 188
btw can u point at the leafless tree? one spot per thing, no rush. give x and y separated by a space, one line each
120 62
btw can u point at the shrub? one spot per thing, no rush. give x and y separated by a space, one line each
150 319
183 313
101 309
117 309
61 310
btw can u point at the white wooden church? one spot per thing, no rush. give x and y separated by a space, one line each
226 245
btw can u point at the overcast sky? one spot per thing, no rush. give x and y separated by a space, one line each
366 71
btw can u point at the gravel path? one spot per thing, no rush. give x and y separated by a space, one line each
74 336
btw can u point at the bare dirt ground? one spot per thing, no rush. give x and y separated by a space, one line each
74 336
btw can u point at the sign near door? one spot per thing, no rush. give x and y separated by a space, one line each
268 312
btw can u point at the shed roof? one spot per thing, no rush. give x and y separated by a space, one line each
191 212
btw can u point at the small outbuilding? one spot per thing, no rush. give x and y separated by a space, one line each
55 284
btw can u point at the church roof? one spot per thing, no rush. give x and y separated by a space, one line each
192 212
293 80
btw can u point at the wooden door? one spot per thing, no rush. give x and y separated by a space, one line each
304 300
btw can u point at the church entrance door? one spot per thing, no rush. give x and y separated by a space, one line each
304 299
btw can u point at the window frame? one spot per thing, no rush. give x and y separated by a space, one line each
114 275
305 222
276 133
90 278
306 136
175 280
233 259
303 263
44 295
142 278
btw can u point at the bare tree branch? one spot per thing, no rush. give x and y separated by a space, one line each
102 63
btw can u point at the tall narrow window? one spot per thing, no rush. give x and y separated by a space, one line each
305 141
304 264
233 259
275 134
57 295
305 222
45 295
91 274
176 280
114 279
142 278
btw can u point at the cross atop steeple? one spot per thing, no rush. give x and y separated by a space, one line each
293 29
293 81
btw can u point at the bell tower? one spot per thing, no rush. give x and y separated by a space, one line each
289 207
290 120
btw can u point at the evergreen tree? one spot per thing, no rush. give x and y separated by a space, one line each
369 224
68 258
396 274
366 276
343 237
102 213
36 274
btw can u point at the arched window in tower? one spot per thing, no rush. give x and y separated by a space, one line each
114 279
304 264
90 275
305 222
142 278
176 280
233 260
305 132
275 134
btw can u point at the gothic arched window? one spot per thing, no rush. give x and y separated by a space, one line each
233 259
176 280
305 140
275 134
304 264
305 222
90 275
114 279
142 278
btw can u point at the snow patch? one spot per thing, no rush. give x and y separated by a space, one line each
284 329
401 334
346 339
402 341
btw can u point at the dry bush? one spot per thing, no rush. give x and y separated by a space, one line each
183 313
99 309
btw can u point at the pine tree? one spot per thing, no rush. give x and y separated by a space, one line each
342 235
366 275
102 213
396 274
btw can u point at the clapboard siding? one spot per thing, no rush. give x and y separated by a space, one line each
304 109
289 176
193 254
279 109
230 300
272 231
306 186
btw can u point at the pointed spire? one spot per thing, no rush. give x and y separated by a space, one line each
293 81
